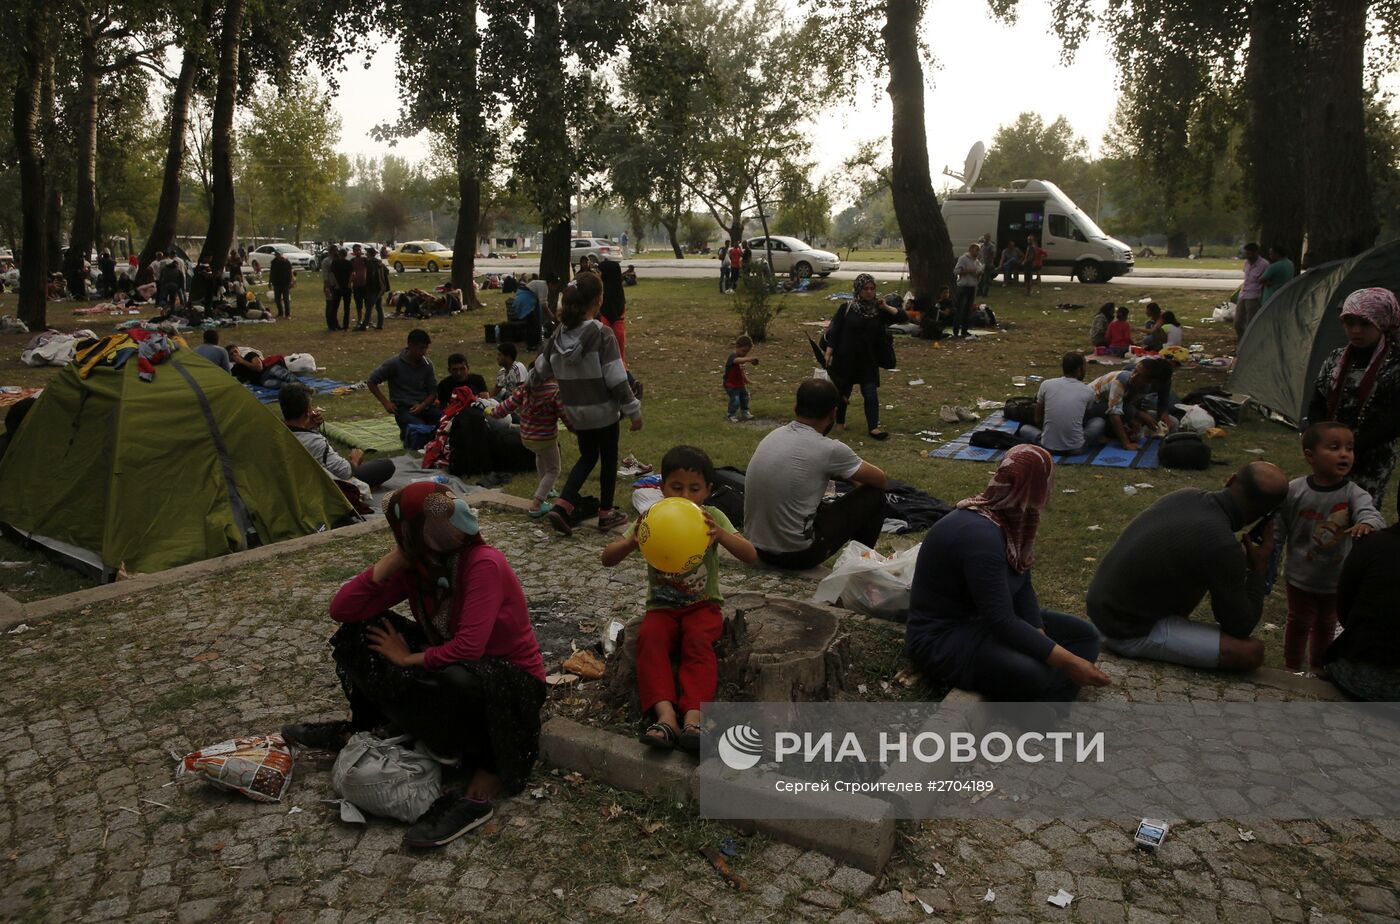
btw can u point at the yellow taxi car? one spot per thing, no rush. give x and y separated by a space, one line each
429 256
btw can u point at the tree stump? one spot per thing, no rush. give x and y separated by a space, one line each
772 649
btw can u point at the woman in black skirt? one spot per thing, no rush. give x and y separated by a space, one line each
464 678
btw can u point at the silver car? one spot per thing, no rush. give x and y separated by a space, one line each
790 254
598 247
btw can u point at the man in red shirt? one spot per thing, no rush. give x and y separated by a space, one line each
736 263
1034 261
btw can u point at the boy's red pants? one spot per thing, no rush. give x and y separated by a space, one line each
693 631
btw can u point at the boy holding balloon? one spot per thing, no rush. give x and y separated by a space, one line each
679 537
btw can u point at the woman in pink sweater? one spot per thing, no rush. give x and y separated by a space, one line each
464 677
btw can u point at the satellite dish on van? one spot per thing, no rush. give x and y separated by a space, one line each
972 167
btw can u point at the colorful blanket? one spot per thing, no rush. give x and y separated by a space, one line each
1109 454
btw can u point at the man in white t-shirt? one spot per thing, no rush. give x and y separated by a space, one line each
1059 411
785 514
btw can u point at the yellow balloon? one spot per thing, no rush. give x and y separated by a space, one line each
673 536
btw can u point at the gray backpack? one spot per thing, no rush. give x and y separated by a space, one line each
386 777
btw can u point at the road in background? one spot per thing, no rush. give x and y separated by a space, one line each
701 267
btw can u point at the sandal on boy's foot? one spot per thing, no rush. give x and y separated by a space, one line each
447 819
690 738
666 741
542 512
878 434
612 519
948 415
318 736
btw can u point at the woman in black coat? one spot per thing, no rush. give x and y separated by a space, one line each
858 347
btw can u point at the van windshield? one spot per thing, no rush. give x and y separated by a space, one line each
1086 224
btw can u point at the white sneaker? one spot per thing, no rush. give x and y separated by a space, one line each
732 419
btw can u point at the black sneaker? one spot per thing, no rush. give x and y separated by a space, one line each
319 736
447 819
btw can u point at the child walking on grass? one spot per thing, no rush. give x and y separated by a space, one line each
1323 513
540 409
736 382
683 612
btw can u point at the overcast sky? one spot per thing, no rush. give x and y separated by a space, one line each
988 74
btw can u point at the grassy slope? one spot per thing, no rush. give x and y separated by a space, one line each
678 336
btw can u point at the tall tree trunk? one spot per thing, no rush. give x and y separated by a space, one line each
551 131
222 216
926 243
53 171
469 171
1178 243
162 236
33 277
672 226
1273 88
82 232
1340 216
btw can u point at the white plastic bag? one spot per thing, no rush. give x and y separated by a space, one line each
1196 418
864 580
385 777
301 364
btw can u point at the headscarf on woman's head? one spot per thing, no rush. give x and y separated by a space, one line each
1376 305
1013 499
859 304
1379 307
431 525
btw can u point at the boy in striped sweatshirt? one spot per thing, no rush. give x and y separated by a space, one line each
540 409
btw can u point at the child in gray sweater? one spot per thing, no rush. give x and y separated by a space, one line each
1323 513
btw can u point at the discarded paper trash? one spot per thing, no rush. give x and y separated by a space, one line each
1060 899
586 664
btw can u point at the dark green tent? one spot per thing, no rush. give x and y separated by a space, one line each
109 469
1278 357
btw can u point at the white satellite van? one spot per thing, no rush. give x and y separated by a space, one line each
1074 245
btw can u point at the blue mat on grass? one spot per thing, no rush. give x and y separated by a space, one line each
1109 454
320 385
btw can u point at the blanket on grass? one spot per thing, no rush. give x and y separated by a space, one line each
1109 454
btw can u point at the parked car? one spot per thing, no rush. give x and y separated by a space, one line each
790 254
429 256
597 247
261 258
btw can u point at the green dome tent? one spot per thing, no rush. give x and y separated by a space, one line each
1280 353
110 470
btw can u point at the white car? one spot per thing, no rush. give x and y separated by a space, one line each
260 258
790 254
597 247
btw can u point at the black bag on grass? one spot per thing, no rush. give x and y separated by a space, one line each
1021 409
1185 450
993 439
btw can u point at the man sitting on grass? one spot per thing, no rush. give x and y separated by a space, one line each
785 515
1060 407
305 421
412 384
1176 552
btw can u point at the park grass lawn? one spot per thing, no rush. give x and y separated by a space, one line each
1144 264
679 333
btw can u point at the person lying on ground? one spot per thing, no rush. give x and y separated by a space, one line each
1061 406
1174 554
682 612
1365 659
1121 397
464 678
412 385
304 420
974 618
251 367
785 515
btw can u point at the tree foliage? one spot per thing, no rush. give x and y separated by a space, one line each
289 142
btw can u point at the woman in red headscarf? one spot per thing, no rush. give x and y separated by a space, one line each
1359 385
974 619
464 678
